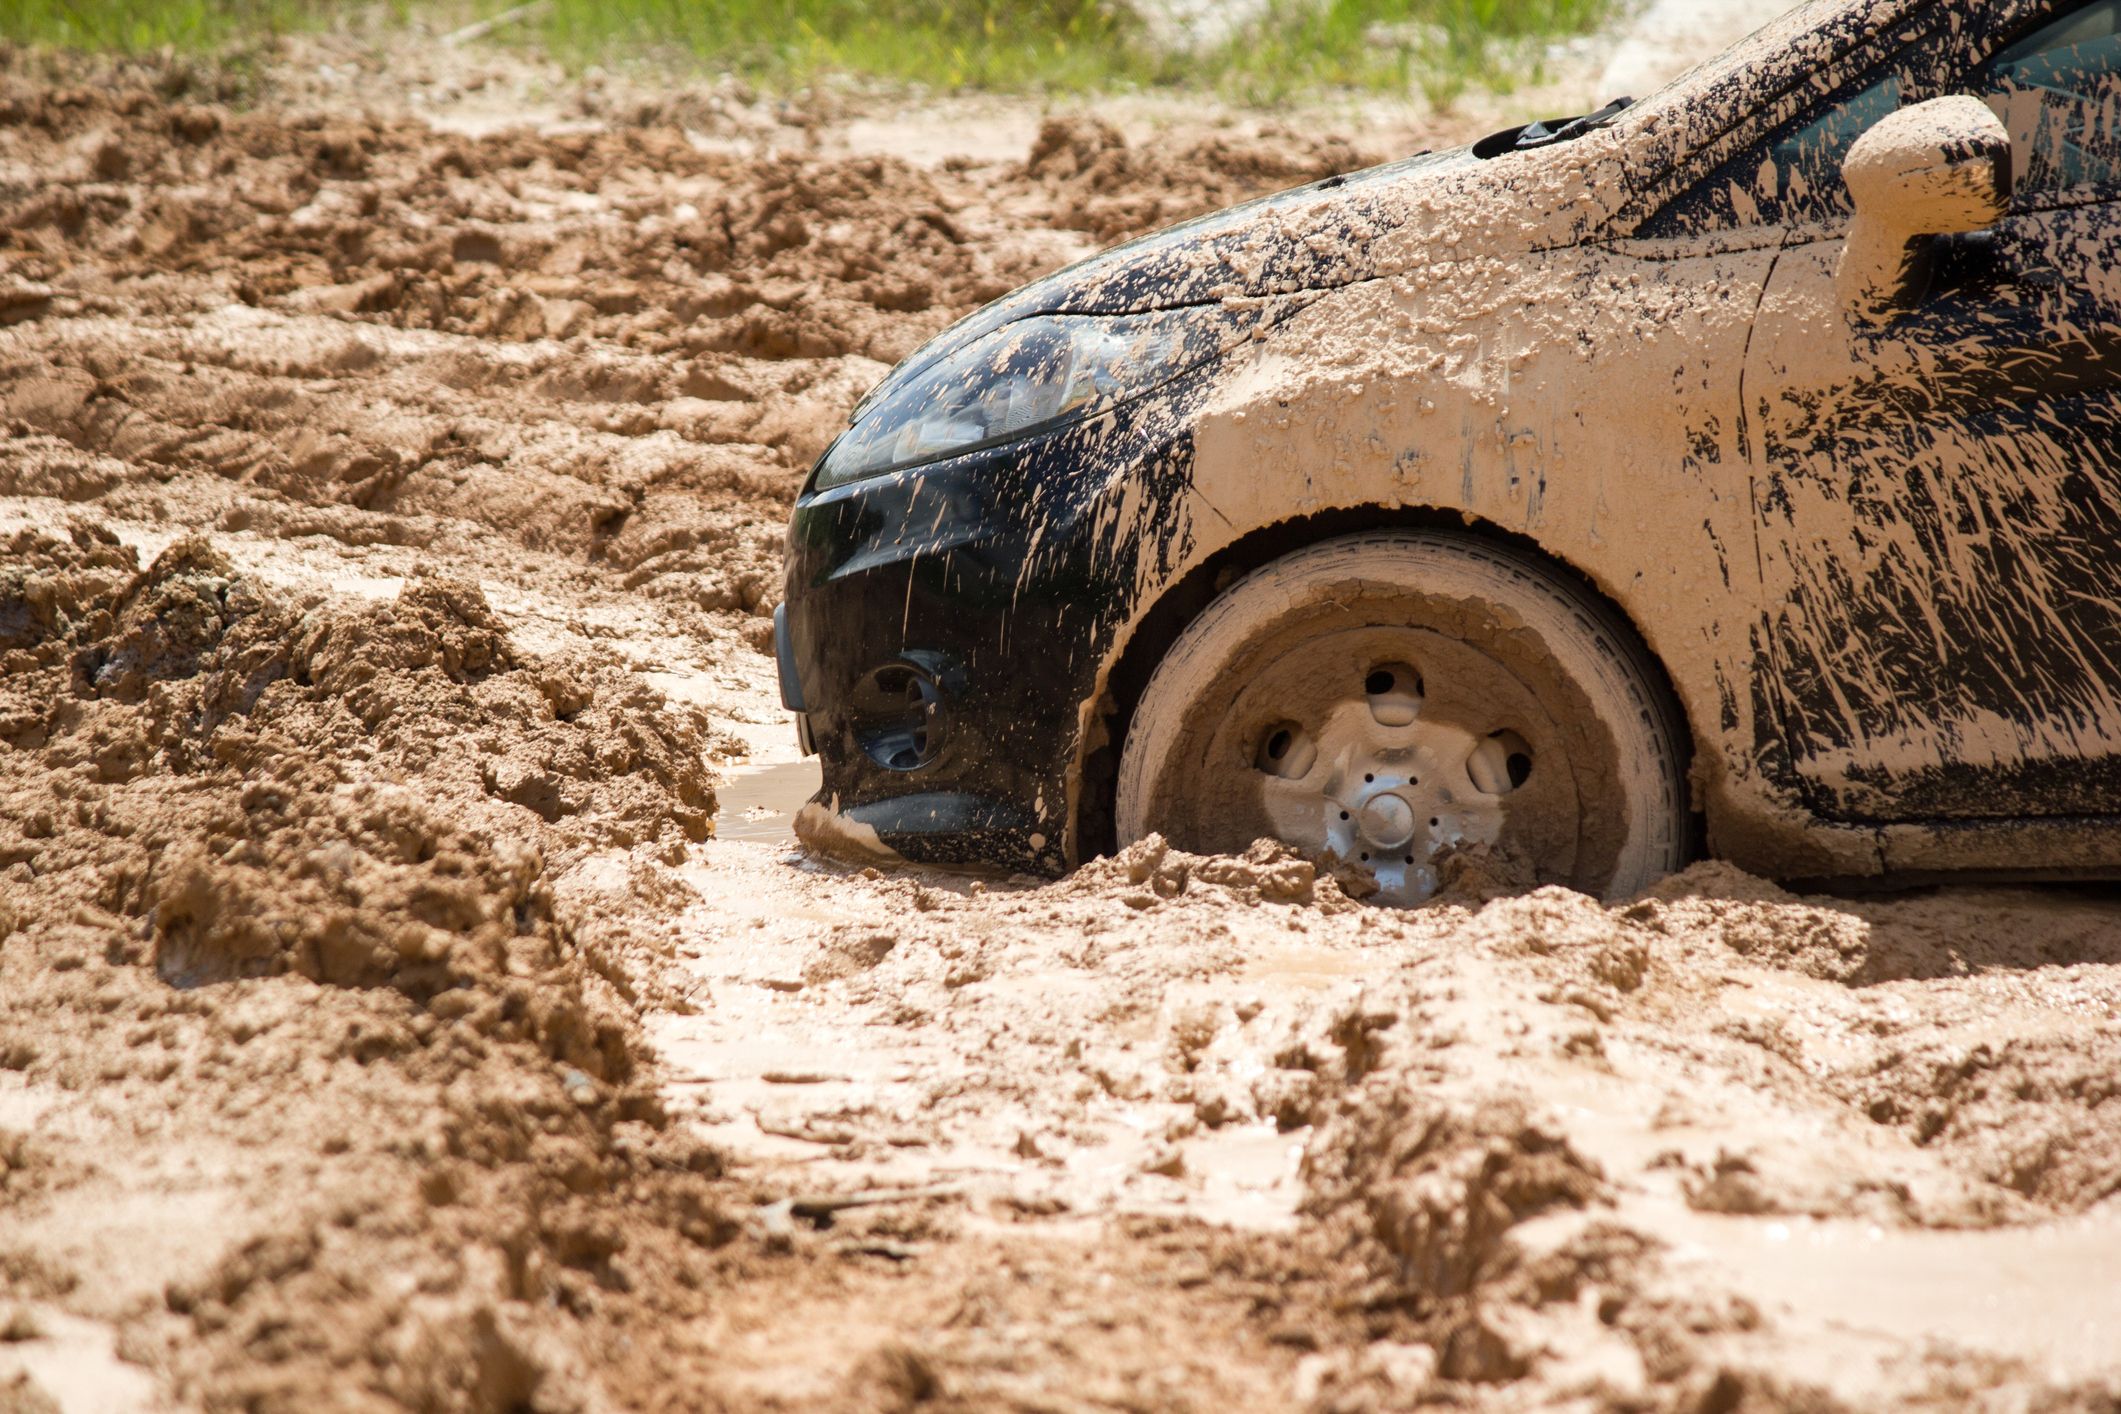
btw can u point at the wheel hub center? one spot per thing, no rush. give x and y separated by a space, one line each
1386 821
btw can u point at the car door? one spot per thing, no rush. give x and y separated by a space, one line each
1937 501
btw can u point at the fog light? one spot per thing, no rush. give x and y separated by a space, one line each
898 718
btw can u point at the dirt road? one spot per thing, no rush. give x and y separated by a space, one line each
408 996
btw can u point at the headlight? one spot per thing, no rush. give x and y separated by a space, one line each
1027 377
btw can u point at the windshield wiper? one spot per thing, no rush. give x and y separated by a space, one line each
1547 131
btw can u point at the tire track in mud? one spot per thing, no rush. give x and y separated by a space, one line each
392 517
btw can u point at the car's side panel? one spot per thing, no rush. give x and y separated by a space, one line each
1939 498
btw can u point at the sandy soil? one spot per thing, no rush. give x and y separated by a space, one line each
410 995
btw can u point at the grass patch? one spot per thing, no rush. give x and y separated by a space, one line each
1293 47
950 44
1441 47
118 26
182 26
1296 46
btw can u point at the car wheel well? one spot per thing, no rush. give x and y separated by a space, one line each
1182 602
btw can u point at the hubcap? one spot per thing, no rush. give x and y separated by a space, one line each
1387 799
1380 752
1385 820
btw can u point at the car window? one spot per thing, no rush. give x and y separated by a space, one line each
1795 175
2058 90
1802 176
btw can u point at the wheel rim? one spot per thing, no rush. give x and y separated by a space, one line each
1382 751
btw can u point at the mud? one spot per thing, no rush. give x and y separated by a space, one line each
1719 1146
283 958
393 1015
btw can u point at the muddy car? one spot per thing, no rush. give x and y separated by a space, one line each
1738 469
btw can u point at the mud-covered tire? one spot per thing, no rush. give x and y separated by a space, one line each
1516 654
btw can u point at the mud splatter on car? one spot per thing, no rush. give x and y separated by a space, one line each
1818 475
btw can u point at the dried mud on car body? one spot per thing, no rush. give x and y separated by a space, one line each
389 522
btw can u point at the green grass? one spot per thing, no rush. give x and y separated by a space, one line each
1301 46
189 26
1441 47
951 44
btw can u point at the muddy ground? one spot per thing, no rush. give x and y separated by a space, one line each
410 995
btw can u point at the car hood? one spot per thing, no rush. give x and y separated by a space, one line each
1314 237
1307 238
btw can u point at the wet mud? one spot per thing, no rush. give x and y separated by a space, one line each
397 1012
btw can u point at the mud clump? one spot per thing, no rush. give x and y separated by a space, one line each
1487 1253
616 347
294 755
849 955
1478 874
1865 941
50 586
1434 1190
1418 1199
166 622
1150 870
2035 1115
830 835
1104 185
245 838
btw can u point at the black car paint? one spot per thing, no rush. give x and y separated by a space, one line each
1198 261
989 582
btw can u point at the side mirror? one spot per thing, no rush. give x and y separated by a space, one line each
1939 168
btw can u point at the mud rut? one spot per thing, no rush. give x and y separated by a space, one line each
391 521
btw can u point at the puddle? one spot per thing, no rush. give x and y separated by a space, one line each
2046 1295
1311 969
75 1363
759 802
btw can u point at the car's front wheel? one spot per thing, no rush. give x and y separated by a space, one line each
1384 701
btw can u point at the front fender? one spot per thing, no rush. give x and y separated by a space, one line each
1584 402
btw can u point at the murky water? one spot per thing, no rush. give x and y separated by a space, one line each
759 802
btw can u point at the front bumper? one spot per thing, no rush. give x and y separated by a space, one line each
791 681
944 627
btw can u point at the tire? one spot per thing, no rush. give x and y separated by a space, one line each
1390 701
